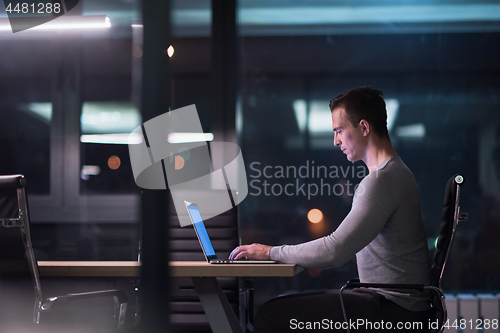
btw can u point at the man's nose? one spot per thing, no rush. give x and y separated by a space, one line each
336 141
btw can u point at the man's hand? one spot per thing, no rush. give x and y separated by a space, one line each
251 252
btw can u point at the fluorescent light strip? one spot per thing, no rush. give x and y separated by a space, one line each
411 131
317 15
300 109
189 137
369 14
66 23
91 170
109 117
392 107
117 139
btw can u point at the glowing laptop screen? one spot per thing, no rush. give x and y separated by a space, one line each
201 231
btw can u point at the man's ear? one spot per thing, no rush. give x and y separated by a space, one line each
365 127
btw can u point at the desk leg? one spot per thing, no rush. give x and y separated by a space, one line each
216 306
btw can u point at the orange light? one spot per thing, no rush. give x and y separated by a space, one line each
170 51
114 162
179 162
315 216
137 51
314 272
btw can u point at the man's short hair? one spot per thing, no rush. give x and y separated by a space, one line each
364 103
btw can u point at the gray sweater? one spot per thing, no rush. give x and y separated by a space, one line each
384 229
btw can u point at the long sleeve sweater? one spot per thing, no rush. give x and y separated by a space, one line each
384 229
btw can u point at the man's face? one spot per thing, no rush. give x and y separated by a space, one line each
350 139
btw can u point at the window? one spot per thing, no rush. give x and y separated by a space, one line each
440 78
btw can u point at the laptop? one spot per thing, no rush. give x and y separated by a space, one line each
206 244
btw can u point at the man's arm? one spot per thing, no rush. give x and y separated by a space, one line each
372 207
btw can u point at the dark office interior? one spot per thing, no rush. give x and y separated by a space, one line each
261 74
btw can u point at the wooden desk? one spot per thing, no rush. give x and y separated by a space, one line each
177 268
215 304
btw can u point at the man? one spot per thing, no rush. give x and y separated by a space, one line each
384 229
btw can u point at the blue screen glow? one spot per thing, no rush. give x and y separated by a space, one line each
202 231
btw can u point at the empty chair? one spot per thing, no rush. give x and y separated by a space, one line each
22 302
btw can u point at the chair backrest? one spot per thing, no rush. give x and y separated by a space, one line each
449 220
17 258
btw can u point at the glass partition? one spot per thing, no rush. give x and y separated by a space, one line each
26 114
105 164
436 64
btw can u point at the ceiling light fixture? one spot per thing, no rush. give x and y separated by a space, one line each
113 139
189 137
65 22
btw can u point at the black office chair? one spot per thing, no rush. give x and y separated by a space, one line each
18 265
450 217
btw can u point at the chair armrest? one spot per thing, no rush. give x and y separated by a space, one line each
122 297
356 284
12 182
